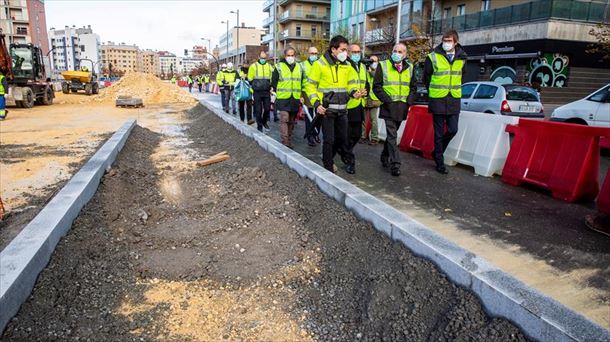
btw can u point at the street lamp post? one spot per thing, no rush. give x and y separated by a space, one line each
237 32
209 44
227 39
398 18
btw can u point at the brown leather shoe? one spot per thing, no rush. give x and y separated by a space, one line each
599 223
373 142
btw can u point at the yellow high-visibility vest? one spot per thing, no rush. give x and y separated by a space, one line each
289 82
447 77
396 84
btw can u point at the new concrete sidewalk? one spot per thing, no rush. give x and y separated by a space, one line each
525 232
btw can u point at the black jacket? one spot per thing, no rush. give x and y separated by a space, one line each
287 105
448 105
393 110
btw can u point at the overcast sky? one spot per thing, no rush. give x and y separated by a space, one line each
157 25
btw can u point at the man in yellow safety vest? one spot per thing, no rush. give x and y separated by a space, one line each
3 90
311 133
394 86
259 76
443 73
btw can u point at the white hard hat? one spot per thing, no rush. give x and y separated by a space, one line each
230 65
223 65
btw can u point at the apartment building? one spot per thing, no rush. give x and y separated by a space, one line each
295 23
24 22
121 56
149 62
70 45
510 41
234 46
170 64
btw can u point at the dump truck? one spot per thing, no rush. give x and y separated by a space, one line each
23 67
83 79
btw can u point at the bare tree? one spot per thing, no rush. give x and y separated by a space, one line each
601 33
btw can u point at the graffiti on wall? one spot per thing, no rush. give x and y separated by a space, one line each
549 70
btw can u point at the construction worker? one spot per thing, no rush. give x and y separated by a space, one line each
219 80
3 90
311 133
259 75
371 109
173 80
355 107
189 81
287 80
395 86
229 77
329 89
206 81
200 82
443 72
84 69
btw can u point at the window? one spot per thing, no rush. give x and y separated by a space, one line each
601 96
486 92
82 48
314 30
446 12
461 10
467 90
485 5
314 10
298 33
520 93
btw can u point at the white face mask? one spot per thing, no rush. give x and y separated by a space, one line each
290 60
342 56
374 65
447 46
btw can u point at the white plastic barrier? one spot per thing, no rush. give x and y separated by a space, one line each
481 142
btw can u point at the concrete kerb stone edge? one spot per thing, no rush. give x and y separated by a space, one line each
29 252
502 295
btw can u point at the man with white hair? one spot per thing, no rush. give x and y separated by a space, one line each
395 86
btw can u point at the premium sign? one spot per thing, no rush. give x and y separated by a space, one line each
497 49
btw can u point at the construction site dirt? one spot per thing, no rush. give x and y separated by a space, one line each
243 249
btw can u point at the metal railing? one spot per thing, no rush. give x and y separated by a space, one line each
268 21
287 34
302 15
267 4
584 11
267 38
371 5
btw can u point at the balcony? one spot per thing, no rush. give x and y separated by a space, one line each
302 16
267 38
268 21
287 2
590 12
19 18
298 34
382 35
377 6
267 5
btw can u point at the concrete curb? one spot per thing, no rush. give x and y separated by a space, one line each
29 252
540 317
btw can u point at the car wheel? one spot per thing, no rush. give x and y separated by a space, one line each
577 121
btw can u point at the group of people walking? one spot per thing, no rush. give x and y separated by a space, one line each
338 89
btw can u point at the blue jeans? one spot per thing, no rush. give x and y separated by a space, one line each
2 107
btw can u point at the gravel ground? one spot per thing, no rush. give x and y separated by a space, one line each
244 249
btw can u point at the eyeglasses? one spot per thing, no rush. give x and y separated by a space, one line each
313 53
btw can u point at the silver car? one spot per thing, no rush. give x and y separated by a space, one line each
501 99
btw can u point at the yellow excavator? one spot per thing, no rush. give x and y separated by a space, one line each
83 79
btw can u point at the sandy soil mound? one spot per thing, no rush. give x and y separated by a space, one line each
145 86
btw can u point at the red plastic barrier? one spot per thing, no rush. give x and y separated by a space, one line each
604 143
419 132
107 84
563 158
603 200
367 125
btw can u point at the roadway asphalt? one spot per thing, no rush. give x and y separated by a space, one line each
518 220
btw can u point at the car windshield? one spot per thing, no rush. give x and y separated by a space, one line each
520 93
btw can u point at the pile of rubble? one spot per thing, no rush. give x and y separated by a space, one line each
149 88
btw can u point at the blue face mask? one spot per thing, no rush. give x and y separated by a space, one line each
356 58
262 61
396 57
313 58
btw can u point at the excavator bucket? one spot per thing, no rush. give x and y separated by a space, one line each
6 65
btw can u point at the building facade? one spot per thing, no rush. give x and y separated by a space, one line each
149 62
232 47
121 56
538 42
170 64
295 23
70 45
24 22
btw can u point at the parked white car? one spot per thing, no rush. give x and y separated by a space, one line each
593 110
501 99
